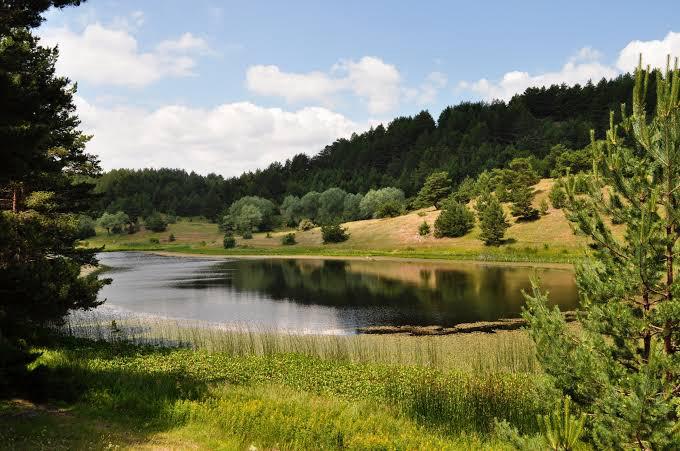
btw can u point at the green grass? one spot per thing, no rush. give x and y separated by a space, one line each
549 239
183 398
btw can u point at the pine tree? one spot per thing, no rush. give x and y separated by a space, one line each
623 367
435 189
492 222
522 198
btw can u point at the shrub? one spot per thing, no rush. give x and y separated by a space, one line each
154 241
557 196
306 224
334 233
155 222
247 235
455 220
171 238
288 239
229 241
543 207
85 227
373 199
390 209
424 229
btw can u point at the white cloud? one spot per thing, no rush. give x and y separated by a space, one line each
111 56
228 139
378 85
579 69
583 66
653 52
427 92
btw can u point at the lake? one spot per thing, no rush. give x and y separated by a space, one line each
323 295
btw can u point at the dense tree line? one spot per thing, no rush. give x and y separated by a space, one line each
547 125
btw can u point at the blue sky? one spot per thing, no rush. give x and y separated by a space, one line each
231 86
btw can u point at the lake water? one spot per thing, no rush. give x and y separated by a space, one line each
322 296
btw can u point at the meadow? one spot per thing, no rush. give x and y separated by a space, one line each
548 239
125 387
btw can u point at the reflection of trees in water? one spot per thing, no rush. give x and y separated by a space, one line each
439 295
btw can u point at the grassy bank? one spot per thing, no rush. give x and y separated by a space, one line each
548 239
119 394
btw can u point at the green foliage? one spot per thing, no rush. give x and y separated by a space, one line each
229 241
310 205
492 222
522 199
251 213
436 188
557 196
561 430
154 241
86 227
306 224
466 191
155 222
247 234
288 239
351 209
113 222
331 205
454 220
373 199
333 233
171 237
622 368
543 207
291 210
390 209
424 229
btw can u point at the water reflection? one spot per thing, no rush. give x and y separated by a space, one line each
318 295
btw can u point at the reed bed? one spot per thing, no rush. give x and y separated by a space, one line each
480 353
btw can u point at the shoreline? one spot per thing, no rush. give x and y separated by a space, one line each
377 258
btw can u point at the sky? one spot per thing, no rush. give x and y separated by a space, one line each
225 87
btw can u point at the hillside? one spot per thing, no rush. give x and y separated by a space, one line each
463 140
548 238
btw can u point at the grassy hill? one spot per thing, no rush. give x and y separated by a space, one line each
549 238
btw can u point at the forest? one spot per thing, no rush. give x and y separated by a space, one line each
541 124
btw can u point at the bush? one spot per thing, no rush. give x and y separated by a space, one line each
171 237
543 207
455 220
334 233
155 222
306 224
424 229
288 239
557 196
374 199
229 241
85 227
247 235
154 241
390 209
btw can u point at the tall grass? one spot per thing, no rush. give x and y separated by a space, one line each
480 353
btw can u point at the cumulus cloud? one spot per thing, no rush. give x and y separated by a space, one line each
227 139
579 69
653 52
377 84
105 55
584 65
